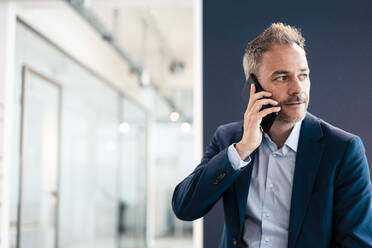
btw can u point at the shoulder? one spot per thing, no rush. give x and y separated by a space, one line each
229 133
230 129
330 131
335 136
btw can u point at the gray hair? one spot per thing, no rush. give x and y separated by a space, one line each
278 33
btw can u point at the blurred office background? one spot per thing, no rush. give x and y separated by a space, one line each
97 121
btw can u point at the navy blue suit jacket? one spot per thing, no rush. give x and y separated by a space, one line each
331 204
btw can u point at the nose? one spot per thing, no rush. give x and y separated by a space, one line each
296 86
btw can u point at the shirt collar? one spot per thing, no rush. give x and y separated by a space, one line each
294 136
291 142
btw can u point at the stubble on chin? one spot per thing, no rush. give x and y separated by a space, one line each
300 115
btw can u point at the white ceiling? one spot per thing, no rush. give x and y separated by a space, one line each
141 3
154 33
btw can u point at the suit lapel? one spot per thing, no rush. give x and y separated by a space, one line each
308 158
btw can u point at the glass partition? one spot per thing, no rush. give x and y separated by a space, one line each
133 130
102 168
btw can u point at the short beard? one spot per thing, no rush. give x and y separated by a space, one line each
284 118
287 119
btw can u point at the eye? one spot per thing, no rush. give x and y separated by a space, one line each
304 76
281 78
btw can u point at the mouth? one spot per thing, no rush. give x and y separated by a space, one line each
294 104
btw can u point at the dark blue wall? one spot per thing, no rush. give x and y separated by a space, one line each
339 47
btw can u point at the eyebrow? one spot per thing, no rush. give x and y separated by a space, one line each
287 72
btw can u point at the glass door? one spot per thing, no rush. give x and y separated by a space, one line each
39 151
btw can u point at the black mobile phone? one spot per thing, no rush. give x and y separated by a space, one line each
269 119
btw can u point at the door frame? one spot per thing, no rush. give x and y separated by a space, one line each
26 72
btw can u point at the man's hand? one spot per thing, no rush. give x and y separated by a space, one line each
252 135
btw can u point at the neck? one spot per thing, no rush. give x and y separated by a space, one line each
280 131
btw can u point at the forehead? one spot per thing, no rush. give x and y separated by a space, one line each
283 57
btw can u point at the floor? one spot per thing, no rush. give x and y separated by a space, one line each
172 242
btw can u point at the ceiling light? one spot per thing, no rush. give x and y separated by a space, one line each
124 127
174 116
185 127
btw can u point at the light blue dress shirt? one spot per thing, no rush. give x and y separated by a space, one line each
269 199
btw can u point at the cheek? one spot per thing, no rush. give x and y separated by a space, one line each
280 98
278 94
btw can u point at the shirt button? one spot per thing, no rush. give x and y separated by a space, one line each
271 185
267 215
267 239
234 242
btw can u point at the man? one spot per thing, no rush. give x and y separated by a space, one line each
303 184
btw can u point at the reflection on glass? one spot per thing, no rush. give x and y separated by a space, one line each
132 225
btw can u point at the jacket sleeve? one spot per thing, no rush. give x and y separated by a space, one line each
353 199
197 193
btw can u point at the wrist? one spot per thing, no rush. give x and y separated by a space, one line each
243 150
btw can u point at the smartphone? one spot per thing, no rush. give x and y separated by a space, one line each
269 119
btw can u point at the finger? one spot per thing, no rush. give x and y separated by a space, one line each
259 103
261 94
253 89
267 111
255 97
251 93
